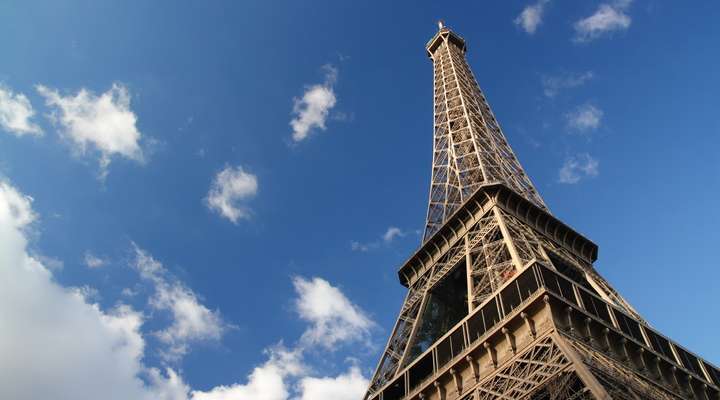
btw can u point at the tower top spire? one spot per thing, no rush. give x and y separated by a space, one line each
470 150
444 33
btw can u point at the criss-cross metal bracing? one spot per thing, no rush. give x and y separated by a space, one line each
469 148
538 322
495 246
538 365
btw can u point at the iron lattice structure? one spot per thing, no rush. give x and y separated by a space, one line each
503 300
469 148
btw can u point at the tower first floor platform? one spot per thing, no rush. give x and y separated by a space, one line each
544 336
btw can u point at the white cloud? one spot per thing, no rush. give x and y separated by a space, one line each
392 233
16 113
93 261
129 292
266 382
167 387
333 318
357 246
552 85
103 122
230 187
348 386
606 19
191 320
86 292
54 343
386 238
577 167
49 262
531 16
312 110
584 118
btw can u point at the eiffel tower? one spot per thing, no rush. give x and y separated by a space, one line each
503 300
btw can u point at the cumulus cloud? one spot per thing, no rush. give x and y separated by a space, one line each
55 343
584 118
228 190
191 320
608 18
105 122
531 16
16 113
93 261
49 262
578 167
312 109
348 386
269 381
285 375
552 85
333 318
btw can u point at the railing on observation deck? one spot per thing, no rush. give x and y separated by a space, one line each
521 289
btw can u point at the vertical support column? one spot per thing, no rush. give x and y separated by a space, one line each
583 372
468 271
507 238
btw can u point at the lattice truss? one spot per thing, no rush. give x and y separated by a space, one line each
495 248
408 321
542 372
469 148
545 372
526 374
619 382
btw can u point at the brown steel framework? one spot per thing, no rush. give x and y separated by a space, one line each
503 300
469 149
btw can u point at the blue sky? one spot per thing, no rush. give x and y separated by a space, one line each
155 193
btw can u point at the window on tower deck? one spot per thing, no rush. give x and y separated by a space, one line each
571 271
445 306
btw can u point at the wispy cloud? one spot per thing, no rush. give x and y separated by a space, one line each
362 247
105 122
386 238
552 85
93 261
392 233
312 109
110 345
531 16
608 18
578 167
191 320
228 190
52 263
584 118
16 113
